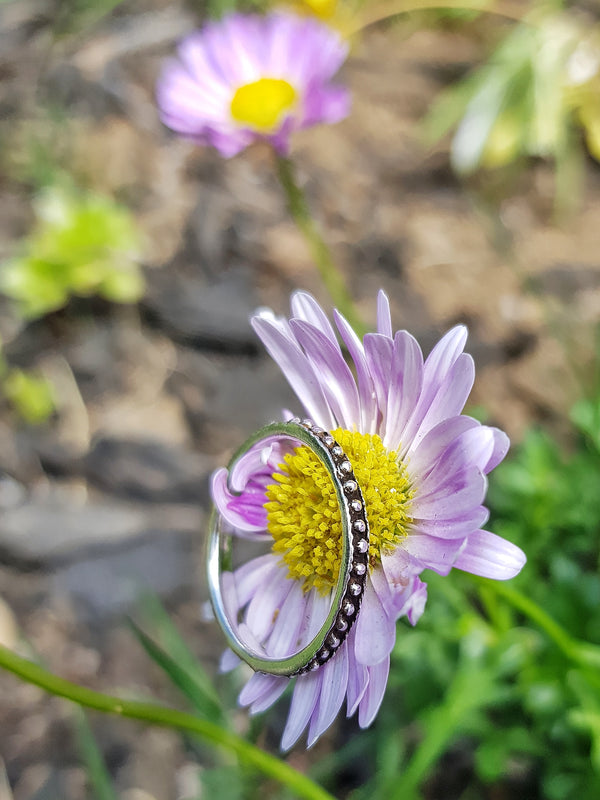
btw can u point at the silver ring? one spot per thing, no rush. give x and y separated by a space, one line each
354 565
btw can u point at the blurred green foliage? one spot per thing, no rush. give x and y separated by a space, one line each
78 16
81 244
99 779
476 677
29 394
539 85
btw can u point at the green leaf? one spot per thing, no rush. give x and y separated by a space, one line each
192 684
225 782
585 415
31 396
165 717
98 777
81 244
516 103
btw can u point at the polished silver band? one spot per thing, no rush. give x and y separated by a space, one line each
354 560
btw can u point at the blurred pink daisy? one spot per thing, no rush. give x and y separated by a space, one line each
248 77
421 465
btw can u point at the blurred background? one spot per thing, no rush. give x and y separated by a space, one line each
465 184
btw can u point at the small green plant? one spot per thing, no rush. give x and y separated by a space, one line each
509 675
539 84
82 244
29 394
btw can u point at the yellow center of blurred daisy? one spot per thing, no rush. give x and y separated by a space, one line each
261 104
303 514
324 9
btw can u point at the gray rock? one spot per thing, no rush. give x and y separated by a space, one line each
12 493
565 281
227 397
148 470
111 583
208 316
48 531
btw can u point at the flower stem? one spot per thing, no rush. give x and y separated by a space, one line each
165 717
584 654
471 689
332 278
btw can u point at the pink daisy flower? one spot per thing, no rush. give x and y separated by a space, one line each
248 77
421 465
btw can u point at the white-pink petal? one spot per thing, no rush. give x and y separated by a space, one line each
334 682
448 401
378 354
358 676
305 307
369 705
335 377
283 639
297 370
424 455
266 604
225 501
416 600
253 574
453 527
375 631
405 380
366 390
445 353
384 317
229 661
304 700
439 555
270 696
472 449
229 594
257 687
501 445
491 556
463 493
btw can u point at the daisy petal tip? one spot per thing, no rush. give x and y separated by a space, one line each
455 339
219 487
371 702
491 556
501 448
228 661
417 602
384 318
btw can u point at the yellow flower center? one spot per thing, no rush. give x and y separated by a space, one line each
261 104
303 514
322 8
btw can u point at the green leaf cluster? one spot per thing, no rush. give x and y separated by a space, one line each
526 100
81 244
30 394
518 696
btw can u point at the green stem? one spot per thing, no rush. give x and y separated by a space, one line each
332 278
166 718
582 653
470 689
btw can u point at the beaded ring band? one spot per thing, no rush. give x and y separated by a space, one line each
354 560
